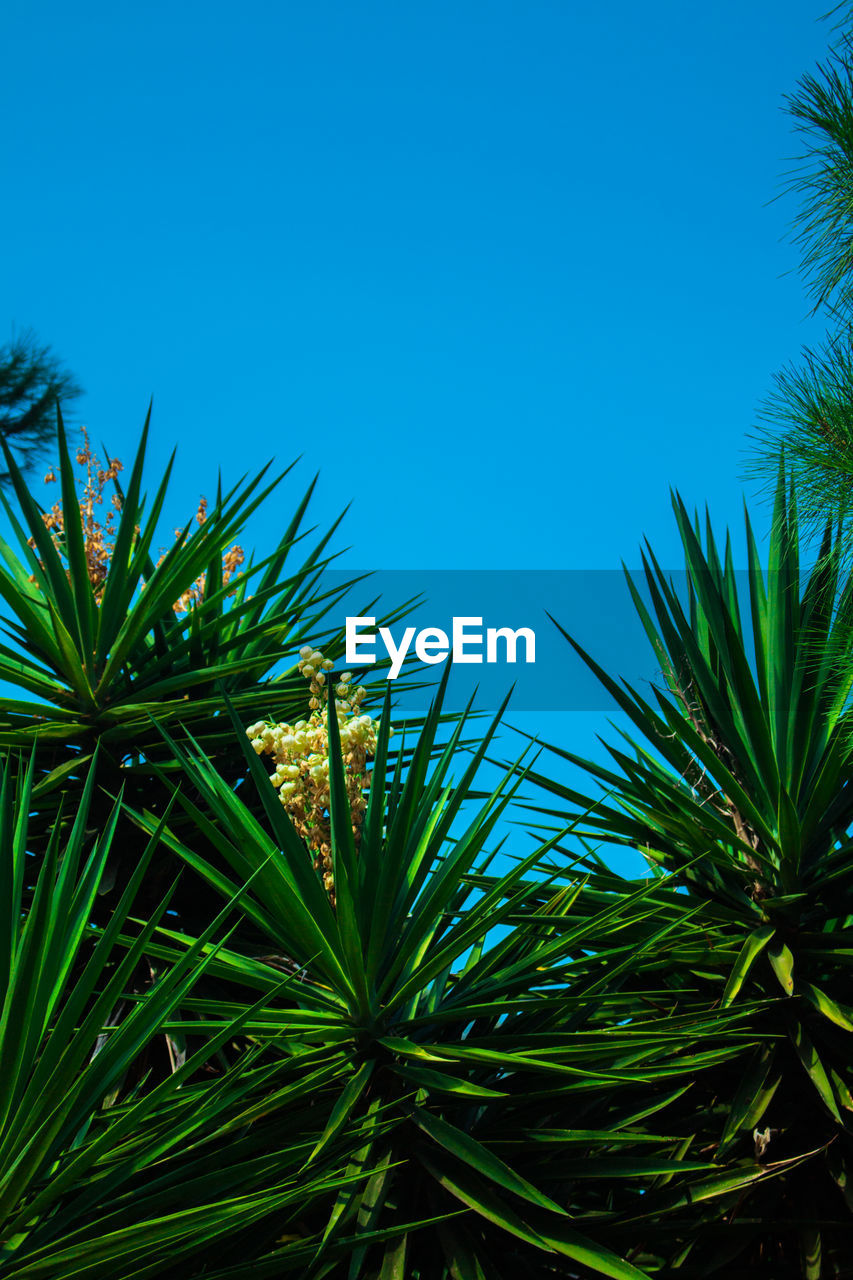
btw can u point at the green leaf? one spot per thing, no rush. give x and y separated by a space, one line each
473 1153
751 949
814 1067
782 963
841 1015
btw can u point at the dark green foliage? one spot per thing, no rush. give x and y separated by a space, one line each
737 782
808 422
98 657
475 1063
466 1067
32 381
822 112
101 656
109 1166
512 1092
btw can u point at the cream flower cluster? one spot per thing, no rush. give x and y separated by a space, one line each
301 755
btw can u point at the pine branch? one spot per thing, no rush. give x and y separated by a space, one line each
32 382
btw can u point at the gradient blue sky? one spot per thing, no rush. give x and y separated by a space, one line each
504 272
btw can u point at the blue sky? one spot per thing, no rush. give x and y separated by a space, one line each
502 272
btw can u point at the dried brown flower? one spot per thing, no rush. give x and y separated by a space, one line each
99 536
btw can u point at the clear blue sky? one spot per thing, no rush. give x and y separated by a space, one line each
504 272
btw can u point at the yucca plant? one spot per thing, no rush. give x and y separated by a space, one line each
102 640
109 1168
104 637
737 781
496 1082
